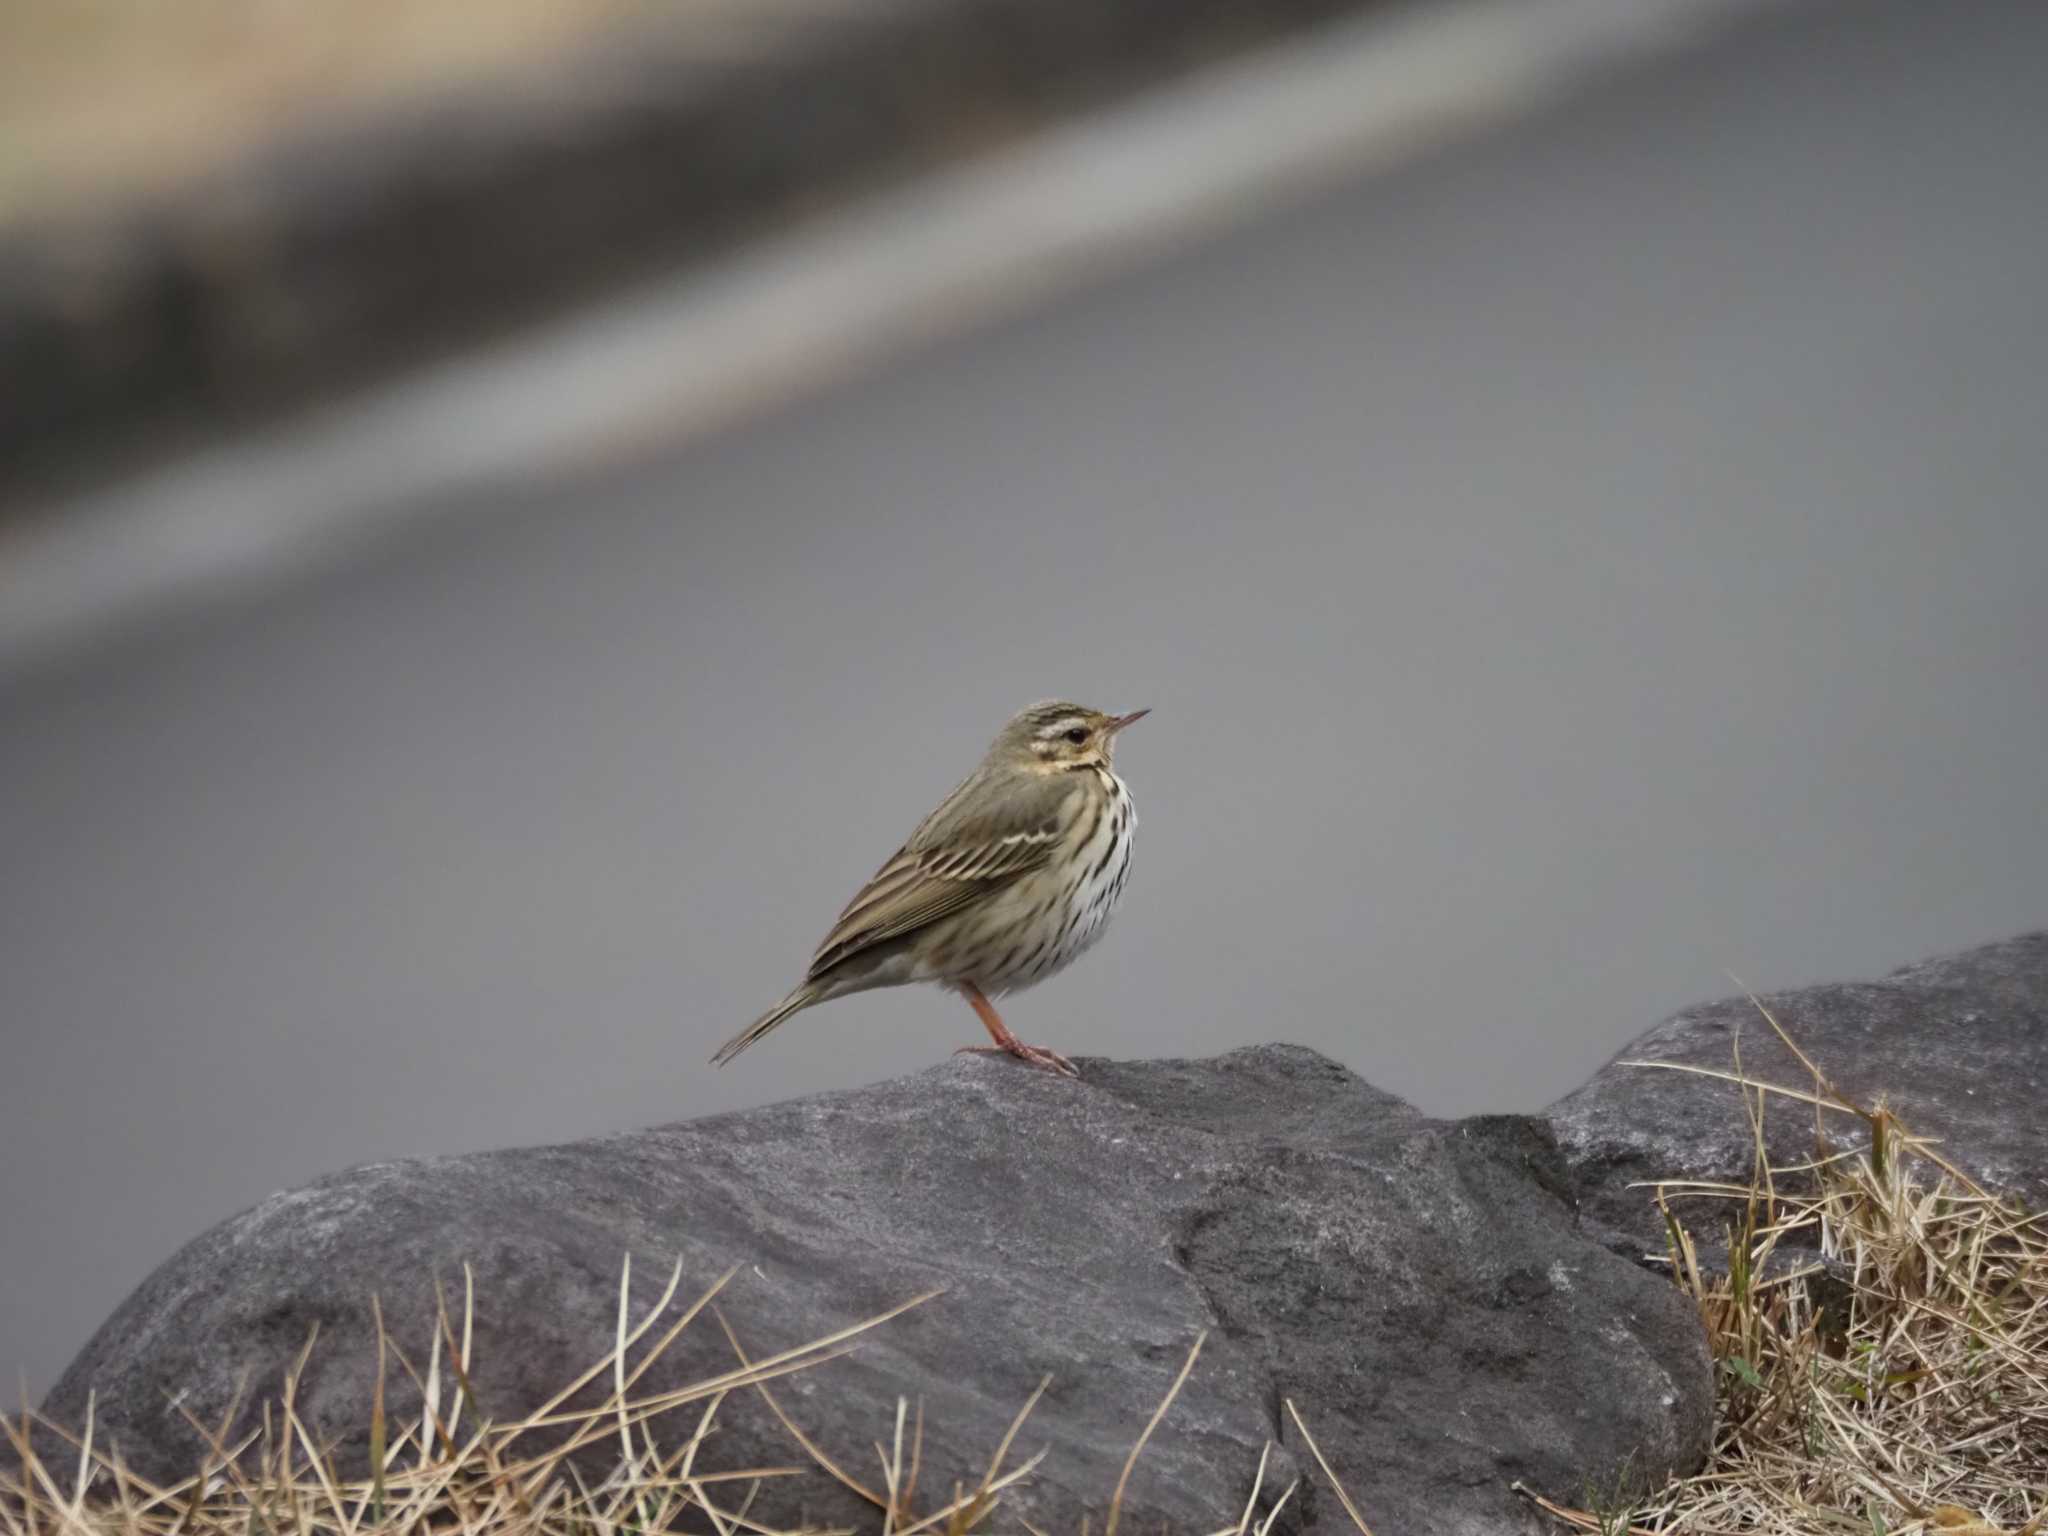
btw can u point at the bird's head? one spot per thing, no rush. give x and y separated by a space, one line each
1056 735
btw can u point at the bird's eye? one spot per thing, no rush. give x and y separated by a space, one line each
1078 735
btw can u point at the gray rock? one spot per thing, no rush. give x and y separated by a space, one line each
1418 1289
1957 1045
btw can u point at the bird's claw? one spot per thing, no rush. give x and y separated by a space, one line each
1036 1055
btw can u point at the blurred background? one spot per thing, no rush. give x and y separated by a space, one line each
1567 478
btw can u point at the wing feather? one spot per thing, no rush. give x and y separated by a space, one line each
963 851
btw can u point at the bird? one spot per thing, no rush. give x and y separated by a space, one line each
1009 880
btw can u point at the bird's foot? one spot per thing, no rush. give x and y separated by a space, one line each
1007 1044
1037 1055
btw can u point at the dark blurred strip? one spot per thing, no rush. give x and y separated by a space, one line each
665 360
336 256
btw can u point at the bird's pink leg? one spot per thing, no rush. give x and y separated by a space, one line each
1006 1043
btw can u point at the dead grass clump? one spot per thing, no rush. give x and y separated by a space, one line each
1880 1341
449 1473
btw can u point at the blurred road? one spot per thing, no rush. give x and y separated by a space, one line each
1560 570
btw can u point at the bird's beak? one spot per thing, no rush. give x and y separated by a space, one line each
1123 720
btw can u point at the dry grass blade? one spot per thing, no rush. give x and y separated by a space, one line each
1580 1519
811 1448
543 1414
967 1504
1273 1515
1116 1500
995 1462
964 1513
1251 1502
378 1449
1343 1496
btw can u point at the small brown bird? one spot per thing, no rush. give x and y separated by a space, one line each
1009 880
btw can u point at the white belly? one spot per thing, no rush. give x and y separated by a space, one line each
1089 890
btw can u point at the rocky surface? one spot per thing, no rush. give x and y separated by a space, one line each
1957 1045
1419 1289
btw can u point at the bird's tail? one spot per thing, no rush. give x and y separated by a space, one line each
796 1002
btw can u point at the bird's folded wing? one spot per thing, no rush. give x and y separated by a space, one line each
921 885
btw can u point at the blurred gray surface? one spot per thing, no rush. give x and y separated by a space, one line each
1561 570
